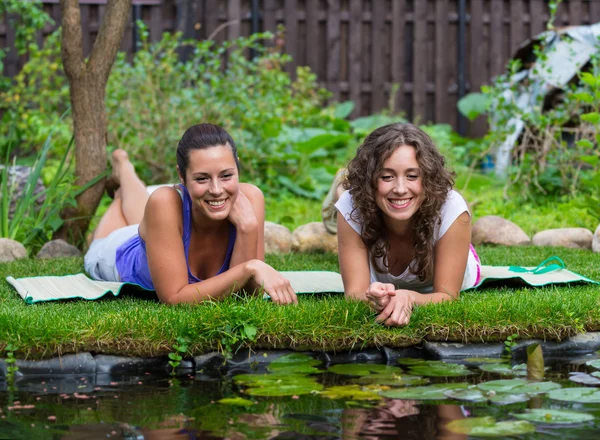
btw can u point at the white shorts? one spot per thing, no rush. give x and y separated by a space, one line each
100 259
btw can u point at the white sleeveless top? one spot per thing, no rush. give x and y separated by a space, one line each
452 208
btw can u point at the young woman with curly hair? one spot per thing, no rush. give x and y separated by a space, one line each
402 230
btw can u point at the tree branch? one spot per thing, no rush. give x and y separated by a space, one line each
72 42
109 37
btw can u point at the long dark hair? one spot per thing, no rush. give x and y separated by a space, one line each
202 136
363 172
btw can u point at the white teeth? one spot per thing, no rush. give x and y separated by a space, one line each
215 203
400 202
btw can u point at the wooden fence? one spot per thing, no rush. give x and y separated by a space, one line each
361 50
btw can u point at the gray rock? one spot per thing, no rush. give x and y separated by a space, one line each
79 363
209 361
313 237
278 239
445 350
596 240
579 344
492 229
576 238
58 249
11 250
107 364
18 177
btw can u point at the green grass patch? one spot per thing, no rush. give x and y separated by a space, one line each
138 325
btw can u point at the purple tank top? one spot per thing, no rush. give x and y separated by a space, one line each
132 262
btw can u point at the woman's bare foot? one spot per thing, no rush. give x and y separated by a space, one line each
119 158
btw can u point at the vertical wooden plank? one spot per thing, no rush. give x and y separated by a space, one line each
397 43
85 29
11 60
355 53
211 19
477 57
441 61
419 61
575 15
536 12
594 11
155 27
313 43
379 63
517 34
234 17
333 48
268 19
497 55
290 13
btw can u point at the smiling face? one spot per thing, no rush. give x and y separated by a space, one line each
212 180
400 186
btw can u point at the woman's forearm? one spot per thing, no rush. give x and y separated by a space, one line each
435 297
246 244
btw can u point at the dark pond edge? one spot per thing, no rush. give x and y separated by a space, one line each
86 363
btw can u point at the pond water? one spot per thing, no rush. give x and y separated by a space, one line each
298 397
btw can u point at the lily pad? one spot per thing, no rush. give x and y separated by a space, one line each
554 416
285 390
236 401
501 386
584 378
488 427
535 388
411 361
364 369
481 360
350 392
581 395
392 380
505 369
594 363
440 369
294 363
269 379
474 394
430 392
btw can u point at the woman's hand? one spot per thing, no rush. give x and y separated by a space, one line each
399 309
276 285
378 295
242 213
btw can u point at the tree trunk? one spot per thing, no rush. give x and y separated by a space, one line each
87 81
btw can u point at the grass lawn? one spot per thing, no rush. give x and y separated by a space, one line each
138 325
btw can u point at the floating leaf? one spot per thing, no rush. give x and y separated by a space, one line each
501 386
508 398
535 388
294 363
582 395
488 427
470 394
431 392
554 416
411 361
236 401
350 392
584 378
481 360
473 394
268 379
594 364
440 369
285 390
363 369
505 369
391 380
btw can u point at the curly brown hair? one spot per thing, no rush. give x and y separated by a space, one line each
361 181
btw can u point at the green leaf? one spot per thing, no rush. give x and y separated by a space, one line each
431 392
582 395
392 380
488 427
535 362
350 392
588 78
584 97
505 369
473 105
439 369
554 416
343 110
594 363
585 143
592 118
364 369
591 160
501 386
250 331
236 401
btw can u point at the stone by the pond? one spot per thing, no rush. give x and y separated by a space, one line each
578 344
576 238
313 237
492 229
58 249
445 350
79 363
11 250
596 240
278 239
128 365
